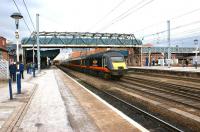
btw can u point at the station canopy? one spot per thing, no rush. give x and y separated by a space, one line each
81 39
46 53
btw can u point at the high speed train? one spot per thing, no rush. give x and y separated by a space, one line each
108 64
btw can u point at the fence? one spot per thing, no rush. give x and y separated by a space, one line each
4 70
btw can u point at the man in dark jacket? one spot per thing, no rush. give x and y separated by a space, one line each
21 69
13 69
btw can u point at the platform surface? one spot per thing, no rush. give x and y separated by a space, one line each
171 68
53 102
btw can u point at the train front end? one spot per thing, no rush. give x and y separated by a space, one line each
118 65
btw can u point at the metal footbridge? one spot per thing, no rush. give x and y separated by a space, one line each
81 40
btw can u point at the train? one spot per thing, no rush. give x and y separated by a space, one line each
108 64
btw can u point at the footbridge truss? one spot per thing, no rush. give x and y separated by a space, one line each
81 39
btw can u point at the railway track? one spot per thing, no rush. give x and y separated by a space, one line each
146 119
174 77
187 96
189 90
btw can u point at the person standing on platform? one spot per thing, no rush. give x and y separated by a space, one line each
28 68
153 61
21 69
147 61
31 68
186 62
13 70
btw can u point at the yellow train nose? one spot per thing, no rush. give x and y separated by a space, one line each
119 65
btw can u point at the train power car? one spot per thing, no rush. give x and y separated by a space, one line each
108 64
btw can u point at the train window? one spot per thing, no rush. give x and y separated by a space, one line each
84 62
87 62
99 62
90 62
102 62
94 62
117 59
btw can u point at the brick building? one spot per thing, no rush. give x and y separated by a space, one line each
3 50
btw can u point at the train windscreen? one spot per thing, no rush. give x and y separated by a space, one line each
117 59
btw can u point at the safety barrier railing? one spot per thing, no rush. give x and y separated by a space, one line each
4 70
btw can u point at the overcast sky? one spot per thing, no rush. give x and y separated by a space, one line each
141 17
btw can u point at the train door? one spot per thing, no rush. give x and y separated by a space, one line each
104 62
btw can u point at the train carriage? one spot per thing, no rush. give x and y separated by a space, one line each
108 64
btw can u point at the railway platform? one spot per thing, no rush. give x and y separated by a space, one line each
12 110
179 71
53 101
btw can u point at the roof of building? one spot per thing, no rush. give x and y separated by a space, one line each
2 37
165 49
3 48
46 53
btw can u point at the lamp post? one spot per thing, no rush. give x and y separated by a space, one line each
196 52
169 44
17 16
34 54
